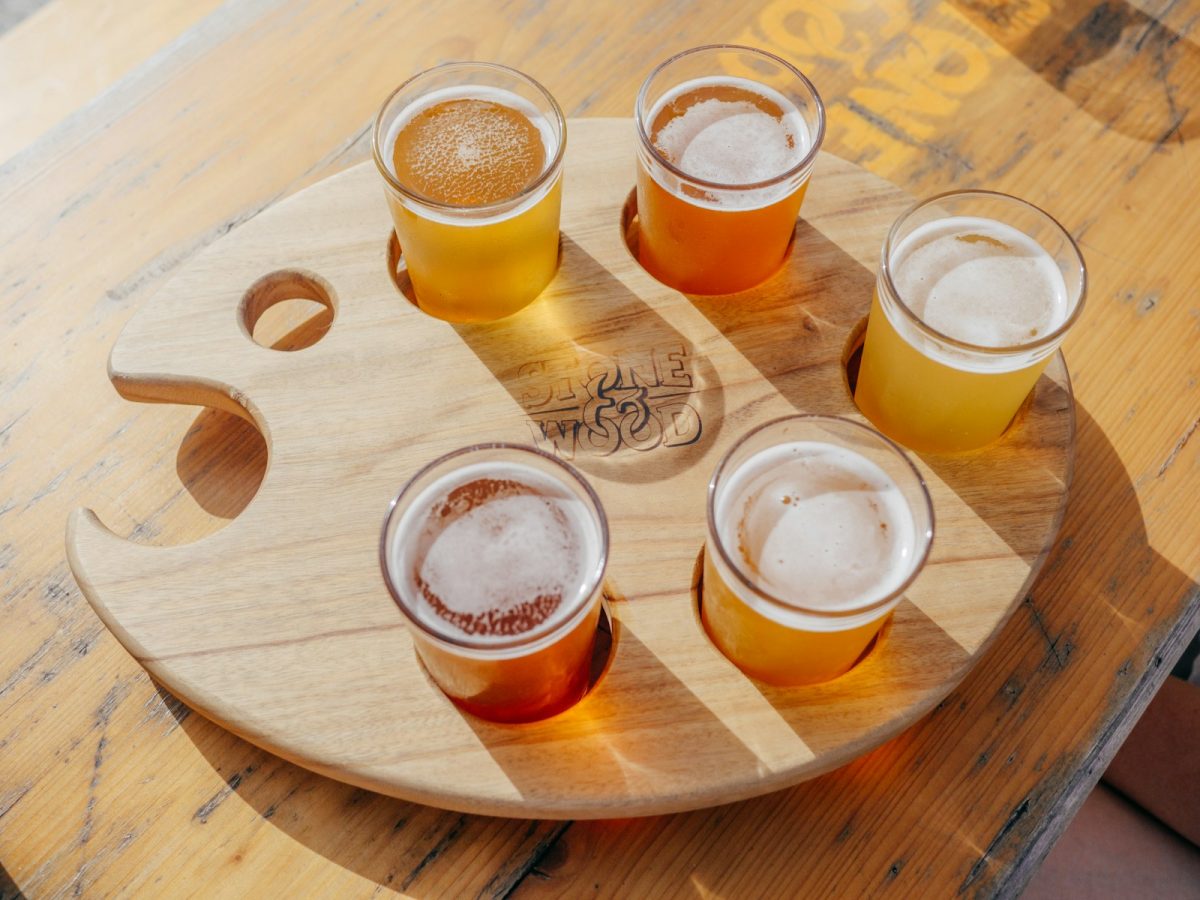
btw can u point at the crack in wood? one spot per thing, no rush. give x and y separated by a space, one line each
308 638
505 889
1125 709
1059 655
13 797
1178 448
21 672
438 849
234 781
1019 812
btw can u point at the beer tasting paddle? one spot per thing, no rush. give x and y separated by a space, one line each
279 626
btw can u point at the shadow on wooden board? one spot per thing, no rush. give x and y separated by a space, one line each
599 373
8 887
1101 55
1116 592
809 305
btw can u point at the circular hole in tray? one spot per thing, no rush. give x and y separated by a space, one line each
398 271
288 310
852 355
604 652
698 599
629 224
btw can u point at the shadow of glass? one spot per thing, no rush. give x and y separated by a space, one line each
606 382
8 887
392 842
1069 672
1012 482
221 462
910 659
1104 595
301 327
793 327
634 695
1139 589
1107 57
890 674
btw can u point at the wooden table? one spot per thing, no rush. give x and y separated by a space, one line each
132 135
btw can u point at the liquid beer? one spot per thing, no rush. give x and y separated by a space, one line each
810 547
474 188
723 164
962 324
730 132
495 563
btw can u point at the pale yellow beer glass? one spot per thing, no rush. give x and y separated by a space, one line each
475 261
932 391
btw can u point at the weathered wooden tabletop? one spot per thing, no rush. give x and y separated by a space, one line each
133 134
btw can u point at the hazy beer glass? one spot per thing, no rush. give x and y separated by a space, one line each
471 158
976 290
727 137
816 527
495 554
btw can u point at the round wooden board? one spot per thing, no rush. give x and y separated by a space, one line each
279 626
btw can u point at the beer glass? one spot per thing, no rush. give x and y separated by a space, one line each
495 554
976 290
727 136
471 158
816 527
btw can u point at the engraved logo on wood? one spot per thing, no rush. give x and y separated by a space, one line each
637 400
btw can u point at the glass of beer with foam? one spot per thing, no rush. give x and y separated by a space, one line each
471 158
727 136
495 554
816 527
976 290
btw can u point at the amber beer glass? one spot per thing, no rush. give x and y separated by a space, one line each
471 158
727 136
495 554
816 527
976 291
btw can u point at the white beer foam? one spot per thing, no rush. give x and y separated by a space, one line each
509 550
980 281
466 147
817 526
505 552
733 142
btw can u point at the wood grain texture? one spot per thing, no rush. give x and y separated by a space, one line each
48 72
103 790
280 628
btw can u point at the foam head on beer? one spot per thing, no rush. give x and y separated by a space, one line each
980 281
729 131
470 145
817 526
493 551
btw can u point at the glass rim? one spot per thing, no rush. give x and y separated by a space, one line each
592 582
548 172
647 144
771 599
1046 340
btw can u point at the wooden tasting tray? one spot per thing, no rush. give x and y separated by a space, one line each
279 626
